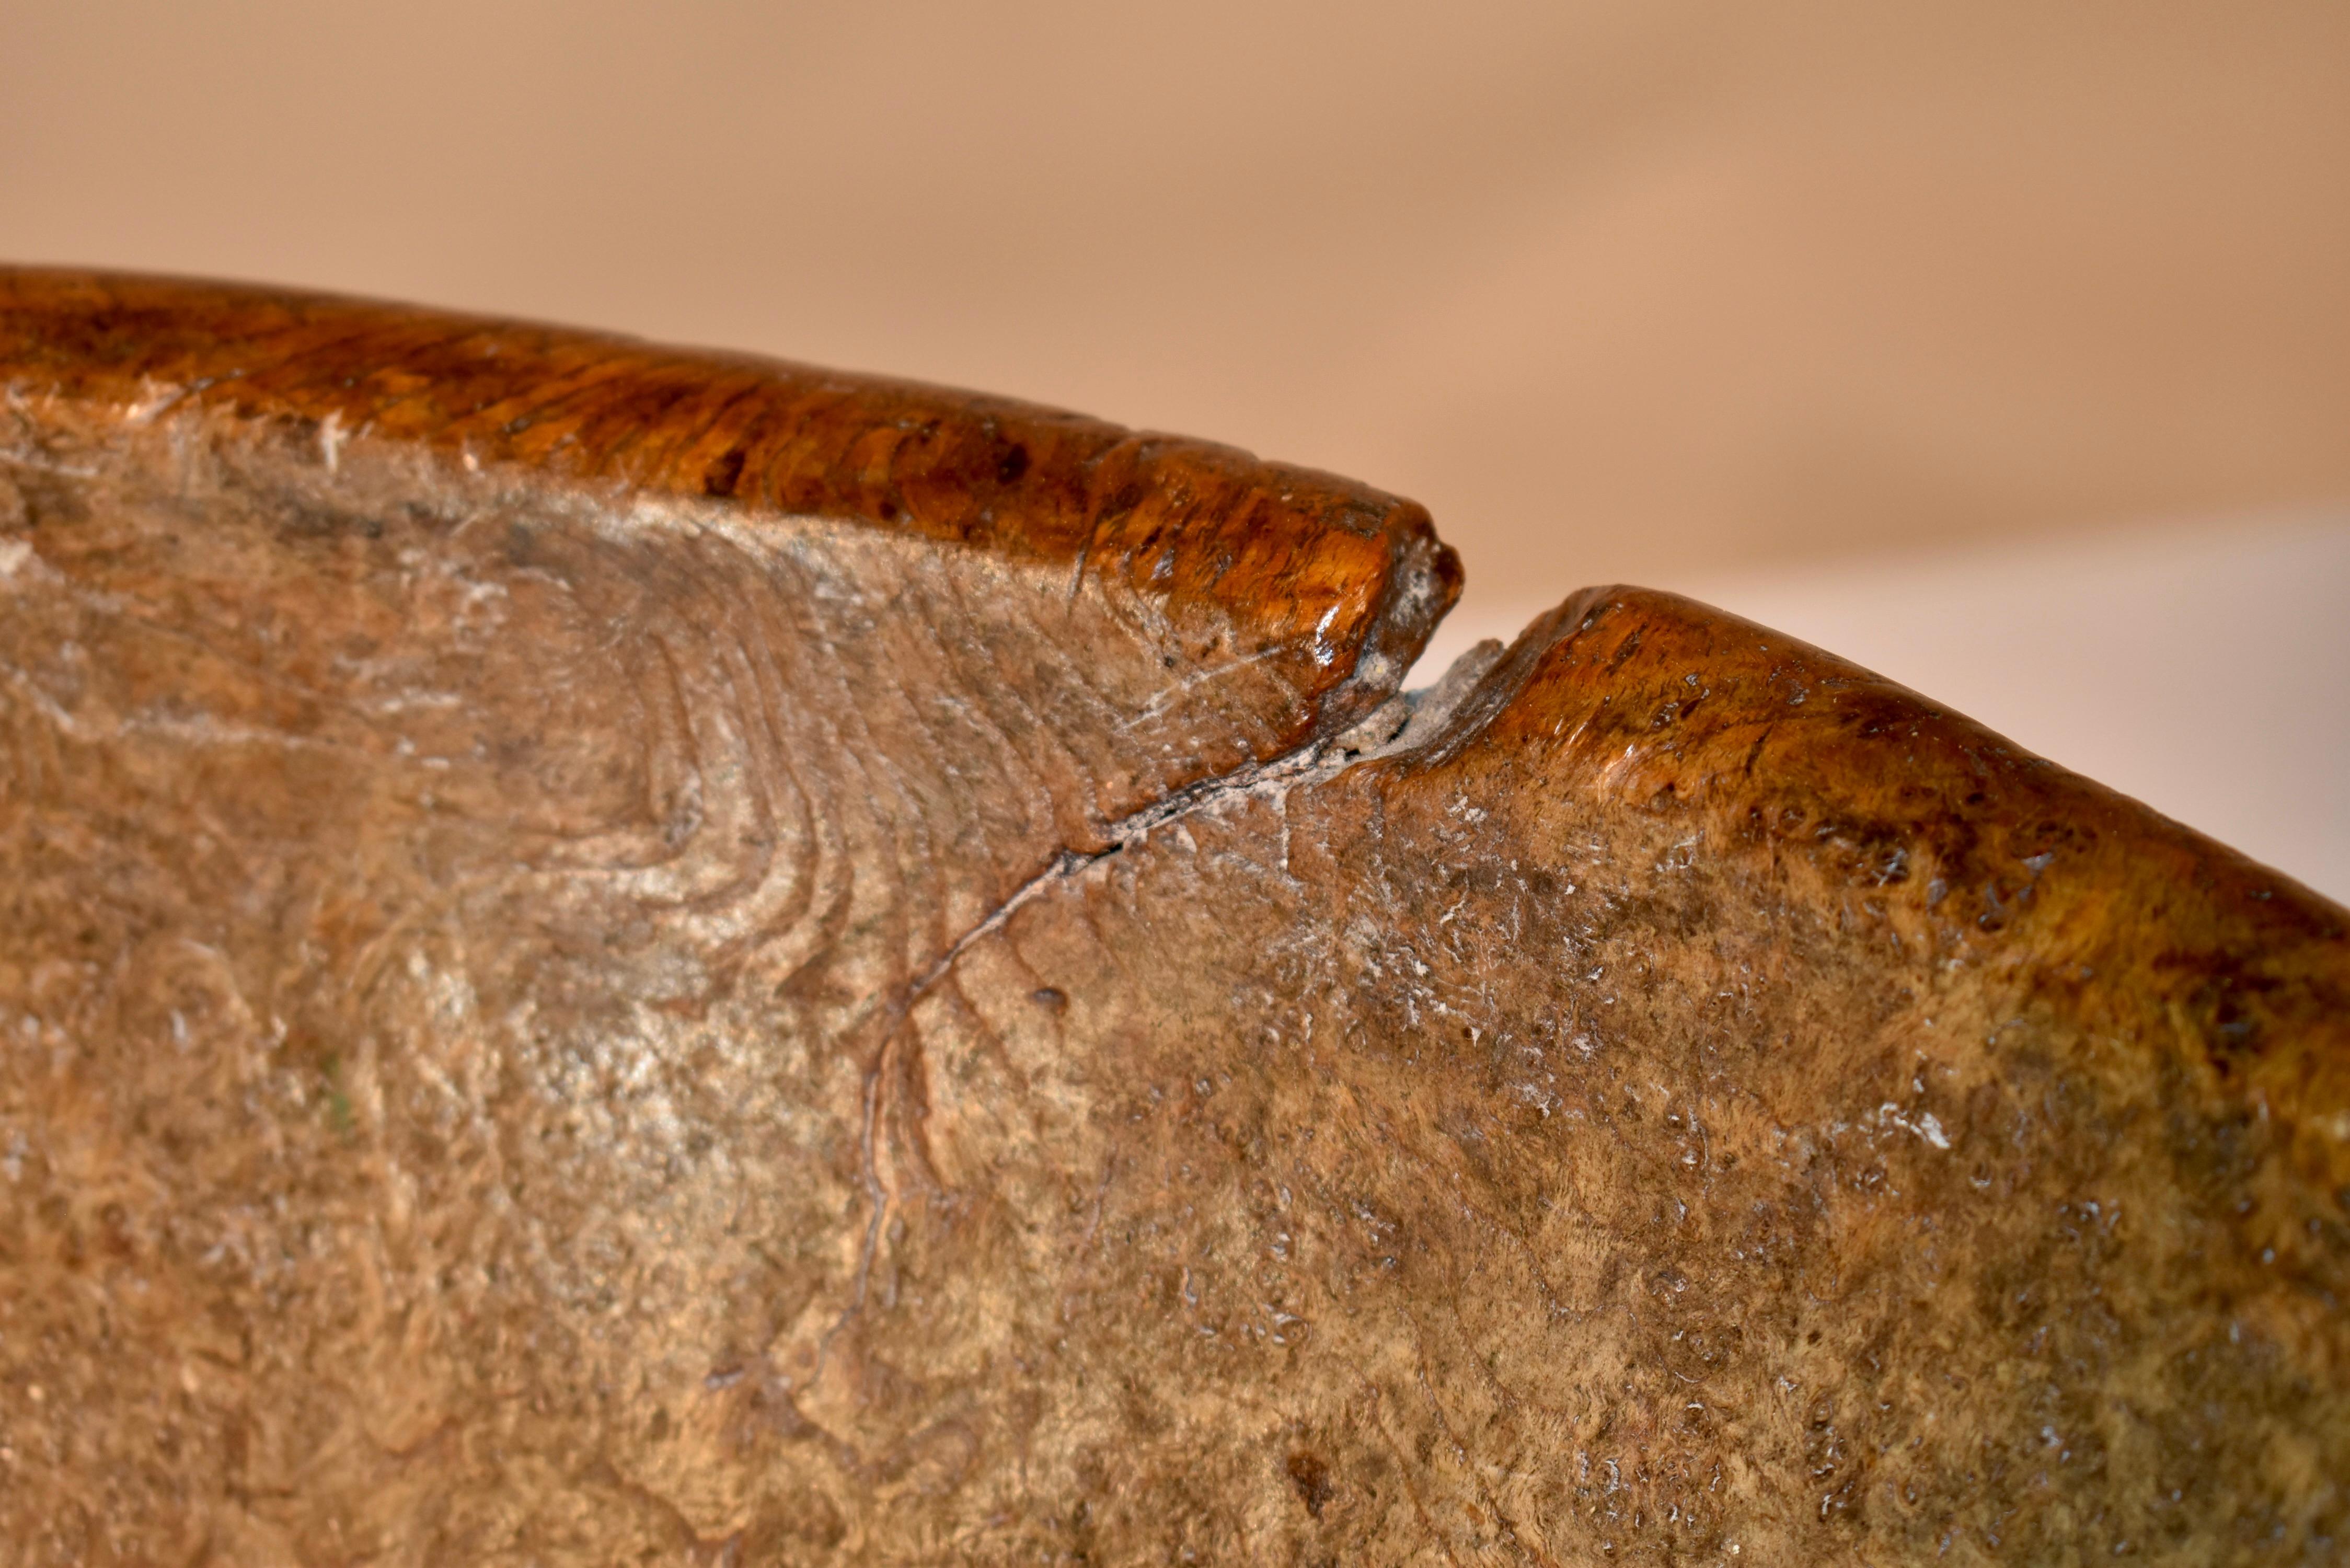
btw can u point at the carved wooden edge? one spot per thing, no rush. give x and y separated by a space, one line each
2190 955
1337 582
1643 699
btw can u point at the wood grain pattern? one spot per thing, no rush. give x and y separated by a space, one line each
613 955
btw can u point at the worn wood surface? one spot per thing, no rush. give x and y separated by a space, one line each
615 955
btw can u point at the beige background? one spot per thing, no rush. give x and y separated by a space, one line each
2003 346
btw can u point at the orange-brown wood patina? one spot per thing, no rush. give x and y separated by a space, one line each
618 955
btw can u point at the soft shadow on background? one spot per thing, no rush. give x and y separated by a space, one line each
2002 347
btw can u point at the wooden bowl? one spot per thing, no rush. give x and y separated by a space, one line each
618 955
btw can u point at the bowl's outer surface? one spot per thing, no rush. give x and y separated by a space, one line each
610 954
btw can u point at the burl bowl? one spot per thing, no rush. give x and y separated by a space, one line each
610 955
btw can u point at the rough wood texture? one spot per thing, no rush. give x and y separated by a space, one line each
609 955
